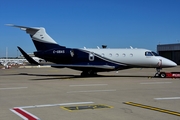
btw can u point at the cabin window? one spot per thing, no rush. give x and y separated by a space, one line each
102 55
123 54
148 53
110 54
117 55
131 55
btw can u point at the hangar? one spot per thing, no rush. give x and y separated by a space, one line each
170 51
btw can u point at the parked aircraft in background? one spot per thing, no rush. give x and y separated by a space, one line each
91 61
8 63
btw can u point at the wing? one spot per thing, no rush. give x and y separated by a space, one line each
105 67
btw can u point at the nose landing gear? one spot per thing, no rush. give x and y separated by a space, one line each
158 69
158 73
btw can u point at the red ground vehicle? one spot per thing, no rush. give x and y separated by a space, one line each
169 75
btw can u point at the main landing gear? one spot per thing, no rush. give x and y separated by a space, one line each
88 74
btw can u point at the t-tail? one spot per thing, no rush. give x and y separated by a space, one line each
40 38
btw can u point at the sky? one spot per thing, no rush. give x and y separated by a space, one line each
90 23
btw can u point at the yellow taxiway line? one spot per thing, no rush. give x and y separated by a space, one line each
153 108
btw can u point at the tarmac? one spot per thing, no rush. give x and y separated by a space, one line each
54 94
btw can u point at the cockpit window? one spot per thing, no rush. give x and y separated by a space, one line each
148 53
155 54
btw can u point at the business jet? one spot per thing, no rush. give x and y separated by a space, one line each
91 61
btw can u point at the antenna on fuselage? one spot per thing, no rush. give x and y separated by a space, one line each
104 46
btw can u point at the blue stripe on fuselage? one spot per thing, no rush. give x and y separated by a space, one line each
45 46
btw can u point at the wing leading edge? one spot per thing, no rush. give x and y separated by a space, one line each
105 67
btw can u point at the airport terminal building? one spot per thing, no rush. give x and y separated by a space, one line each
170 51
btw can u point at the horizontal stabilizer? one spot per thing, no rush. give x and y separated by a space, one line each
22 27
28 58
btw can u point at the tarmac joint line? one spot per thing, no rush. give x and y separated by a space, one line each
153 108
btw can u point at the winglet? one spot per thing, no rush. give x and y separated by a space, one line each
28 58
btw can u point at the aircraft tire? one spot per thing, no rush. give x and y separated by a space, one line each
88 74
157 75
163 75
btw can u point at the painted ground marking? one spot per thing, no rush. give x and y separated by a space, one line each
13 88
168 98
153 108
92 91
85 107
28 116
155 83
24 114
87 85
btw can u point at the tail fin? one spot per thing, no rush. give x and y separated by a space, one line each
40 38
28 58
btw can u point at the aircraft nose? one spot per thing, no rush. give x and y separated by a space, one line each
168 63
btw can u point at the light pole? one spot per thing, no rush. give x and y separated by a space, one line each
17 53
6 52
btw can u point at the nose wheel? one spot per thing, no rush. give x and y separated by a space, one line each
159 73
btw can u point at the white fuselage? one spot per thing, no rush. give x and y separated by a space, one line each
134 57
